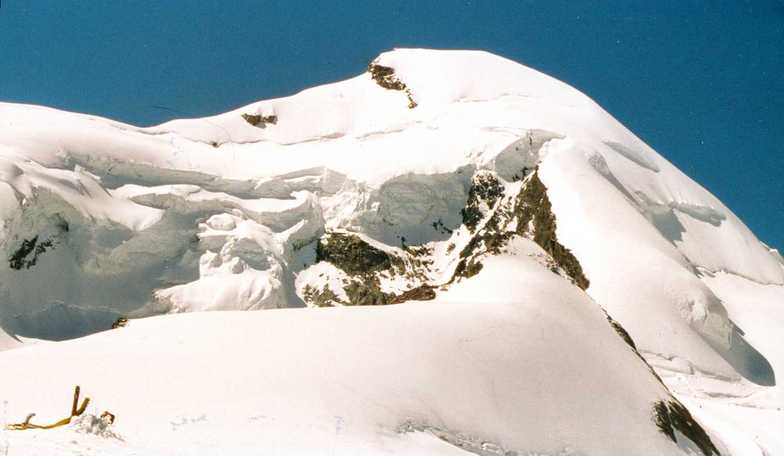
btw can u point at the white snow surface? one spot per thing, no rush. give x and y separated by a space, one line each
218 214
350 380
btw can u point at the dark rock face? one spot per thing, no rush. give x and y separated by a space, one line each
535 217
622 332
321 298
386 78
364 263
493 217
535 220
420 293
352 254
467 268
366 293
260 121
485 188
671 415
27 254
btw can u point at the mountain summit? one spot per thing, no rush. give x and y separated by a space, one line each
475 258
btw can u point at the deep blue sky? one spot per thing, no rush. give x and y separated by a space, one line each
701 81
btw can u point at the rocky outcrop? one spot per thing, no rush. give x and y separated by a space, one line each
353 255
484 193
671 416
536 219
258 120
386 78
529 214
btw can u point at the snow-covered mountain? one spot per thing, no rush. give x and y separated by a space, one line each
507 270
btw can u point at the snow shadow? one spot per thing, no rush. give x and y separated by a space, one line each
665 219
745 359
60 321
633 155
418 208
599 163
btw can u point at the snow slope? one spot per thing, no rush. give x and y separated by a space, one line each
361 380
420 163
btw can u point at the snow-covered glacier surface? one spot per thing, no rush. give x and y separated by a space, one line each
497 214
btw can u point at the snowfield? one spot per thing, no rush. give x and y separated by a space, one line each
497 215
350 380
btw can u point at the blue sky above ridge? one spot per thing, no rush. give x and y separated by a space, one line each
701 82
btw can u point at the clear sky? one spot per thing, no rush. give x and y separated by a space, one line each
700 81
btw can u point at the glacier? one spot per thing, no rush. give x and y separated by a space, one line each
513 226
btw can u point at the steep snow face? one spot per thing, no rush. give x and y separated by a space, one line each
429 164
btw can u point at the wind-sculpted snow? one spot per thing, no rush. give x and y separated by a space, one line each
437 161
633 155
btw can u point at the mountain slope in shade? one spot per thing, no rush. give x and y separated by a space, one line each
453 176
